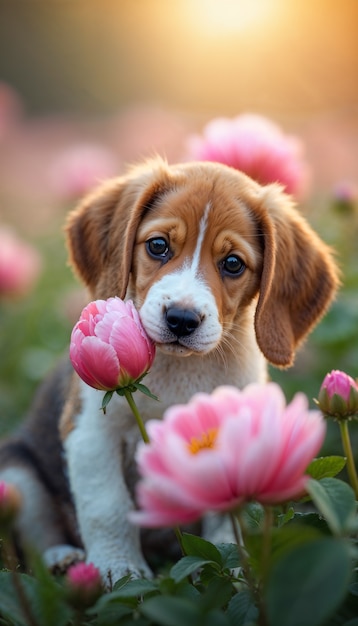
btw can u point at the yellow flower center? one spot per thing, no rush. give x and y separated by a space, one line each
206 440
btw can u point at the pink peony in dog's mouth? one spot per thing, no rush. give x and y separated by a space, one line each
109 347
224 449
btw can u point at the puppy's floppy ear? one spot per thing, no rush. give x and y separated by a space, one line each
299 278
102 229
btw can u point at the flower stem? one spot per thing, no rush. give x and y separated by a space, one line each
10 562
245 566
133 406
145 437
266 542
179 537
351 468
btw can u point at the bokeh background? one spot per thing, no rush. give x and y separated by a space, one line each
88 86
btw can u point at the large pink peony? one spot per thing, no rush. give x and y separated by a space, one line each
109 347
256 146
224 449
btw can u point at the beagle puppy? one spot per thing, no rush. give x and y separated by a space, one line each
226 276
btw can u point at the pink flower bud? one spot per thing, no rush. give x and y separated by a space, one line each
10 503
338 396
84 585
109 346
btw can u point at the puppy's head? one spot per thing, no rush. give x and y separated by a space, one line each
198 247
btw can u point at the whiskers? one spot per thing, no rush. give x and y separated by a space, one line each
231 343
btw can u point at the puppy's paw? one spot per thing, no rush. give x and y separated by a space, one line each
113 571
59 558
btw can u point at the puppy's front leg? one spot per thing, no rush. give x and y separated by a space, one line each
94 457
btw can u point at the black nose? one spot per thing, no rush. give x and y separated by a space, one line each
182 322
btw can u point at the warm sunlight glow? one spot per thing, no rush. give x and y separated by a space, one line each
230 16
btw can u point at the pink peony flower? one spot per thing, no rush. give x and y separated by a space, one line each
338 396
109 346
20 265
10 503
84 584
79 168
224 449
257 147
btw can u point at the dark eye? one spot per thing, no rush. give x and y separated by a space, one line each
233 265
158 247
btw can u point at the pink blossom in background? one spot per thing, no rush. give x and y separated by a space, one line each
76 170
338 395
109 346
20 265
256 146
224 449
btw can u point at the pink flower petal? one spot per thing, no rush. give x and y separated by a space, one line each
259 450
97 364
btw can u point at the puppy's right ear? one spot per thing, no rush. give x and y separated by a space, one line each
102 229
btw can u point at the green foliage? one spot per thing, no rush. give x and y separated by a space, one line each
296 572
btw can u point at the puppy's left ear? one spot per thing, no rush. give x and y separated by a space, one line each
299 278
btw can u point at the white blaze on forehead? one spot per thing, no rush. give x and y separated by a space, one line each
203 224
184 288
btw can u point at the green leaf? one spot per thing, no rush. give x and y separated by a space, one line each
171 611
311 520
284 539
187 565
335 500
253 516
122 581
197 546
284 518
216 618
43 597
216 595
9 602
106 400
110 614
145 390
229 555
134 588
242 609
326 467
308 583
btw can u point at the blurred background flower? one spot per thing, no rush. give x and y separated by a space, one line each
76 170
256 146
20 265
